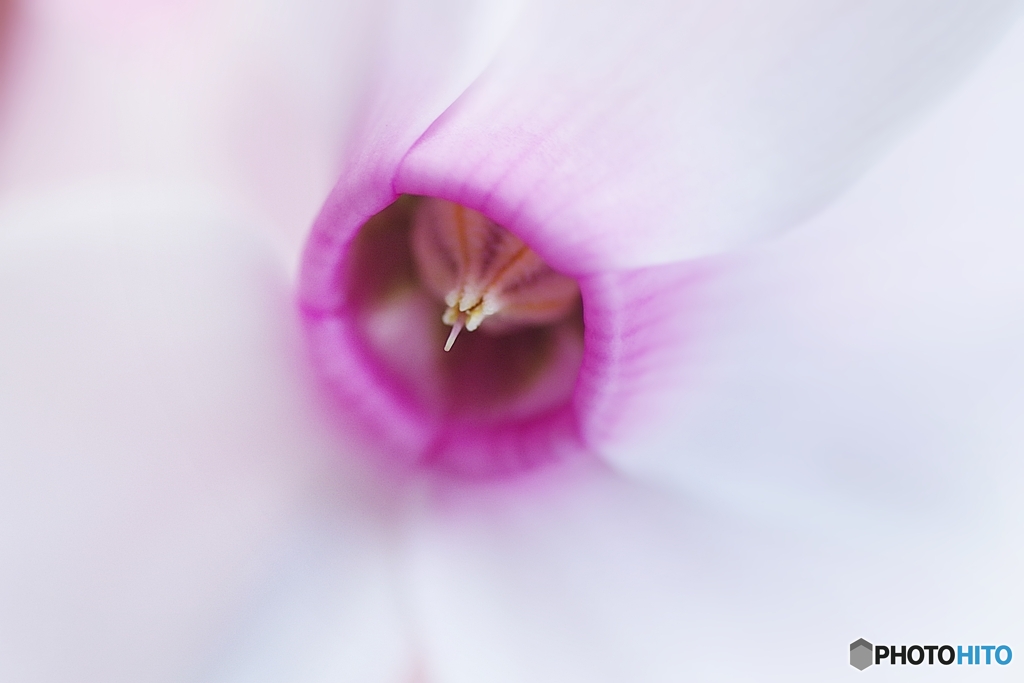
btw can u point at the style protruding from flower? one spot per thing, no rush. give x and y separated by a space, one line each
483 272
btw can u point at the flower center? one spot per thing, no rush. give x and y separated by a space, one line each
424 270
483 272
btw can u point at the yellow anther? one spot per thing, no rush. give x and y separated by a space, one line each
480 270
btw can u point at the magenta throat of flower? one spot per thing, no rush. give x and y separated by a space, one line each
424 270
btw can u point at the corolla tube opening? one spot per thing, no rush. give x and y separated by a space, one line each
500 400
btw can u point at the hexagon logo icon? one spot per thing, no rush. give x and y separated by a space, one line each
861 652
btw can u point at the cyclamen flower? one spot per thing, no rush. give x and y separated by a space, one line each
804 442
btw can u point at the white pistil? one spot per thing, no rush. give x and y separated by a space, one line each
482 271
456 328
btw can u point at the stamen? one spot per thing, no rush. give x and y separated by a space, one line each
484 273
488 391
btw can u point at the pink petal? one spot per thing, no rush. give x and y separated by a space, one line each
616 135
613 138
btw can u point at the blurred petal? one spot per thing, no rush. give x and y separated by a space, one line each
583 577
161 442
867 367
332 611
426 57
566 576
253 98
616 135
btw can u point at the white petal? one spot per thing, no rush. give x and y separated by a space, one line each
867 368
162 443
331 612
583 577
603 581
254 97
571 576
616 134
424 57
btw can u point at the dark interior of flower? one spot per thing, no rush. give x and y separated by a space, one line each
461 316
